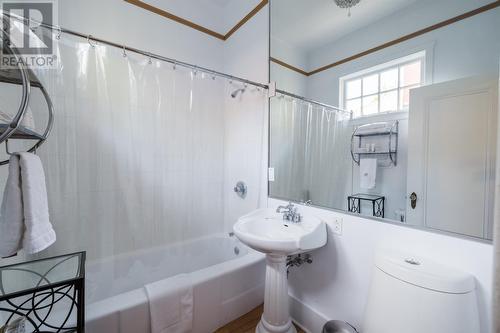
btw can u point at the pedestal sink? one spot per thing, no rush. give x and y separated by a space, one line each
266 231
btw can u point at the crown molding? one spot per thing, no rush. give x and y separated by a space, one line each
404 38
192 25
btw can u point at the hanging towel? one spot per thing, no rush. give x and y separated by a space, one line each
171 304
11 213
24 219
367 173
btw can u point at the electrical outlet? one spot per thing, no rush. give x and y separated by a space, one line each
337 226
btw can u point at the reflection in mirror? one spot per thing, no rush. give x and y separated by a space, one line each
385 115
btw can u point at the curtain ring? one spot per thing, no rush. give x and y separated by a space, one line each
174 67
59 32
89 38
124 51
150 61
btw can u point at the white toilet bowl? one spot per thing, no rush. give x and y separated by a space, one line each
415 295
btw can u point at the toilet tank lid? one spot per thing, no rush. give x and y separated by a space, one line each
424 273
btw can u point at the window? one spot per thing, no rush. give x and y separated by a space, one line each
383 88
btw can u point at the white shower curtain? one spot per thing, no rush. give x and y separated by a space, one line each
137 155
309 153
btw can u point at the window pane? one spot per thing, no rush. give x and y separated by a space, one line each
354 106
353 89
389 79
370 105
389 101
404 97
370 84
410 74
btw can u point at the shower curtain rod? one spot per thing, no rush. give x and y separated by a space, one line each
138 51
282 92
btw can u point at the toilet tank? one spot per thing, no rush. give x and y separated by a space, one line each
415 295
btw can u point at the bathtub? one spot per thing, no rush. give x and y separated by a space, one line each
228 281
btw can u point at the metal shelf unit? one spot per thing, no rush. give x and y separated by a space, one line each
364 132
27 79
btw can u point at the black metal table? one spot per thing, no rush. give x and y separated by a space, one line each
377 201
49 293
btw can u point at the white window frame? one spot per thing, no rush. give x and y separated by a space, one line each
378 69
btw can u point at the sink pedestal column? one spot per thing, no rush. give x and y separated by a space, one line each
276 317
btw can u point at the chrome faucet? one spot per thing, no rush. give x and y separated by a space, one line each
289 213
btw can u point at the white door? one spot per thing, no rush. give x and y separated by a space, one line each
451 155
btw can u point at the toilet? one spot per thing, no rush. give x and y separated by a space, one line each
415 295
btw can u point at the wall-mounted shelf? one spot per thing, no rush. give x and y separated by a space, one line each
24 77
21 133
364 137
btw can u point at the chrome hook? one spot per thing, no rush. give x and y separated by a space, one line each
150 61
124 51
59 32
89 38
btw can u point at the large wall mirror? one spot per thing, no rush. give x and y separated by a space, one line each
387 109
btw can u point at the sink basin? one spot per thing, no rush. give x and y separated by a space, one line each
265 230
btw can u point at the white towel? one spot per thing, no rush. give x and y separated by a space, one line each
11 214
24 220
171 305
367 173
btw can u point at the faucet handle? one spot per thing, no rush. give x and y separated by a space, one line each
297 217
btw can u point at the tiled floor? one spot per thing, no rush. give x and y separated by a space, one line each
246 323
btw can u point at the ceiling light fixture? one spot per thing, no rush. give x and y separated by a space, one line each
347 4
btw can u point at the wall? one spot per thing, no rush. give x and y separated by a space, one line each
245 55
285 78
119 21
336 284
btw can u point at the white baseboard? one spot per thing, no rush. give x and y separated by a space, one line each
307 318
